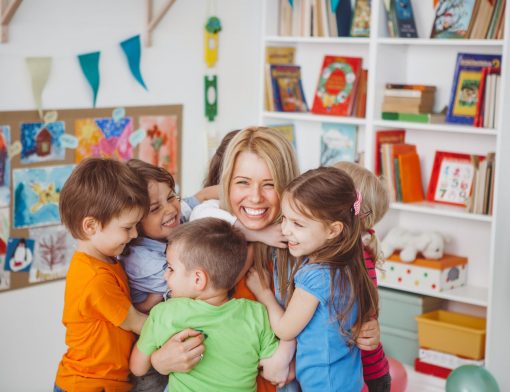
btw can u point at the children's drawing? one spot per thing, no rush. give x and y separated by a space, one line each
20 253
5 165
160 144
338 143
41 142
54 248
36 195
104 137
5 276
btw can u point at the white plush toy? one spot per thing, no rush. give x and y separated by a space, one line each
429 243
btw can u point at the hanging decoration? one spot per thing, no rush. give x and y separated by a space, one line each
133 50
212 28
39 69
90 67
211 97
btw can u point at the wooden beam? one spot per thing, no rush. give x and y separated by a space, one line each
7 11
152 23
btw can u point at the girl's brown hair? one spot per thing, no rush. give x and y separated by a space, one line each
214 172
327 195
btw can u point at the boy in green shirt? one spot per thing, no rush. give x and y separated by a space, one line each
204 260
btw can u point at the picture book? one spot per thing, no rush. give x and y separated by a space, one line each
406 27
465 86
385 137
275 55
287 88
343 15
338 143
452 19
286 130
360 26
337 85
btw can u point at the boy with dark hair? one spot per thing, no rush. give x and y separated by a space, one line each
100 204
204 260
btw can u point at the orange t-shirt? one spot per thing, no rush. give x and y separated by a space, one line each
242 291
96 302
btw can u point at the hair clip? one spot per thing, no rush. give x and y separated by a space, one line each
357 203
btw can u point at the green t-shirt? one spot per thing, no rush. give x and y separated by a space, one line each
238 337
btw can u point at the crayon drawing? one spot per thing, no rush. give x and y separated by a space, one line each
41 142
104 137
36 195
20 254
5 165
160 144
54 248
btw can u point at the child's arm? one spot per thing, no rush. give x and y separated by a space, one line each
133 321
208 193
276 368
289 323
152 300
139 363
369 336
271 235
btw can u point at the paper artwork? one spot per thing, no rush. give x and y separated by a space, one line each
5 276
20 254
36 195
159 147
41 142
54 248
5 165
104 138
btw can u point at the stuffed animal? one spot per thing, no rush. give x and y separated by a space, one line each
429 243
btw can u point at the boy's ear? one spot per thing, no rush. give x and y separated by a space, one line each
334 230
90 225
200 279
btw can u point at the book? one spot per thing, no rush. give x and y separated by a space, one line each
452 18
410 178
360 26
406 27
408 93
360 104
286 130
482 19
391 22
478 121
338 143
419 87
428 118
343 15
288 92
466 82
386 137
395 151
275 55
336 88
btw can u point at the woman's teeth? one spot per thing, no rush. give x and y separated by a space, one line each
255 211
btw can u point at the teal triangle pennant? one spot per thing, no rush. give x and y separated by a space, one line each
89 63
133 50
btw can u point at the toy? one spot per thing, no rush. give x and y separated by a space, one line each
429 243
471 378
398 375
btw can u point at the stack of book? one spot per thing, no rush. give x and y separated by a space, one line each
488 102
410 102
281 55
482 191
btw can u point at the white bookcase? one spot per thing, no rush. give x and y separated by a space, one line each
484 239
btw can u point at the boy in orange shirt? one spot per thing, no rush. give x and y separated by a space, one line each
100 204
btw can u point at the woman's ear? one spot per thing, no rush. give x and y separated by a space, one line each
90 225
334 229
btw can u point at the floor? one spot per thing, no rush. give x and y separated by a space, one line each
419 382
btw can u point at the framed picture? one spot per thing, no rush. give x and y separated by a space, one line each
451 179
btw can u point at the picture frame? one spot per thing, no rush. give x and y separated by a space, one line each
452 178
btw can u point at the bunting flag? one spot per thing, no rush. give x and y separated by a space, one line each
39 69
291 2
89 63
132 50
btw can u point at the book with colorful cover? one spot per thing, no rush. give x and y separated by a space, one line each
338 143
287 88
452 19
275 55
410 178
360 26
393 136
286 130
406 27
336 88
465 86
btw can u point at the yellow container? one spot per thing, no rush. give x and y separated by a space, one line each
452 333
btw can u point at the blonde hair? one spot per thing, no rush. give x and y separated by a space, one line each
374 206
279 156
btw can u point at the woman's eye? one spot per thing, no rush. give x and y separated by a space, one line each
269 186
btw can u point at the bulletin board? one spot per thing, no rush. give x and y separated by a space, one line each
37 158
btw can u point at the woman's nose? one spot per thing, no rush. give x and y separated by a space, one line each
255 194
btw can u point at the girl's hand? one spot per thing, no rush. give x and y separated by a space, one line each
271 235
369 336
258 285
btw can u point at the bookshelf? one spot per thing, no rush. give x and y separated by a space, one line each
482 238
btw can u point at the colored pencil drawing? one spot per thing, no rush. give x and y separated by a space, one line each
54 248
5 165
36 195
159 147
41 142
104 137
20 254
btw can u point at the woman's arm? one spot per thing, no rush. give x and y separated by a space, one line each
276 368
133 321
152 300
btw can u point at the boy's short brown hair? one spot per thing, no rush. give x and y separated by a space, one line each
102 189
151 172
214 245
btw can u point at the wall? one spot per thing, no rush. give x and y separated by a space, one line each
31 334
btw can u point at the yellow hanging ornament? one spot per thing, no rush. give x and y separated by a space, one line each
212 28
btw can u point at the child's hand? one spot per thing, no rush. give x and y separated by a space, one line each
258 285
271 235
369 336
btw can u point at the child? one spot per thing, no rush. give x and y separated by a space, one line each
375 204
321 220
100 204
199 274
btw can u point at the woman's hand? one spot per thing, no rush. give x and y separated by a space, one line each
369 336
180 353
271 235
258 285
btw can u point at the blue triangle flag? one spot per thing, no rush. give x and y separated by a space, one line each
133 50
90 67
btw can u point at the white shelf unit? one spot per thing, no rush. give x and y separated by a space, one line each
483 239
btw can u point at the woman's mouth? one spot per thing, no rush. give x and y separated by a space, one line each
254 212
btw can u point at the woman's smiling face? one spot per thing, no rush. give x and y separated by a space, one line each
252 193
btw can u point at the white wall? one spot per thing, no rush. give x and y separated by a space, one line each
31 335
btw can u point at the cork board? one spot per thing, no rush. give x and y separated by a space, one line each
161 144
